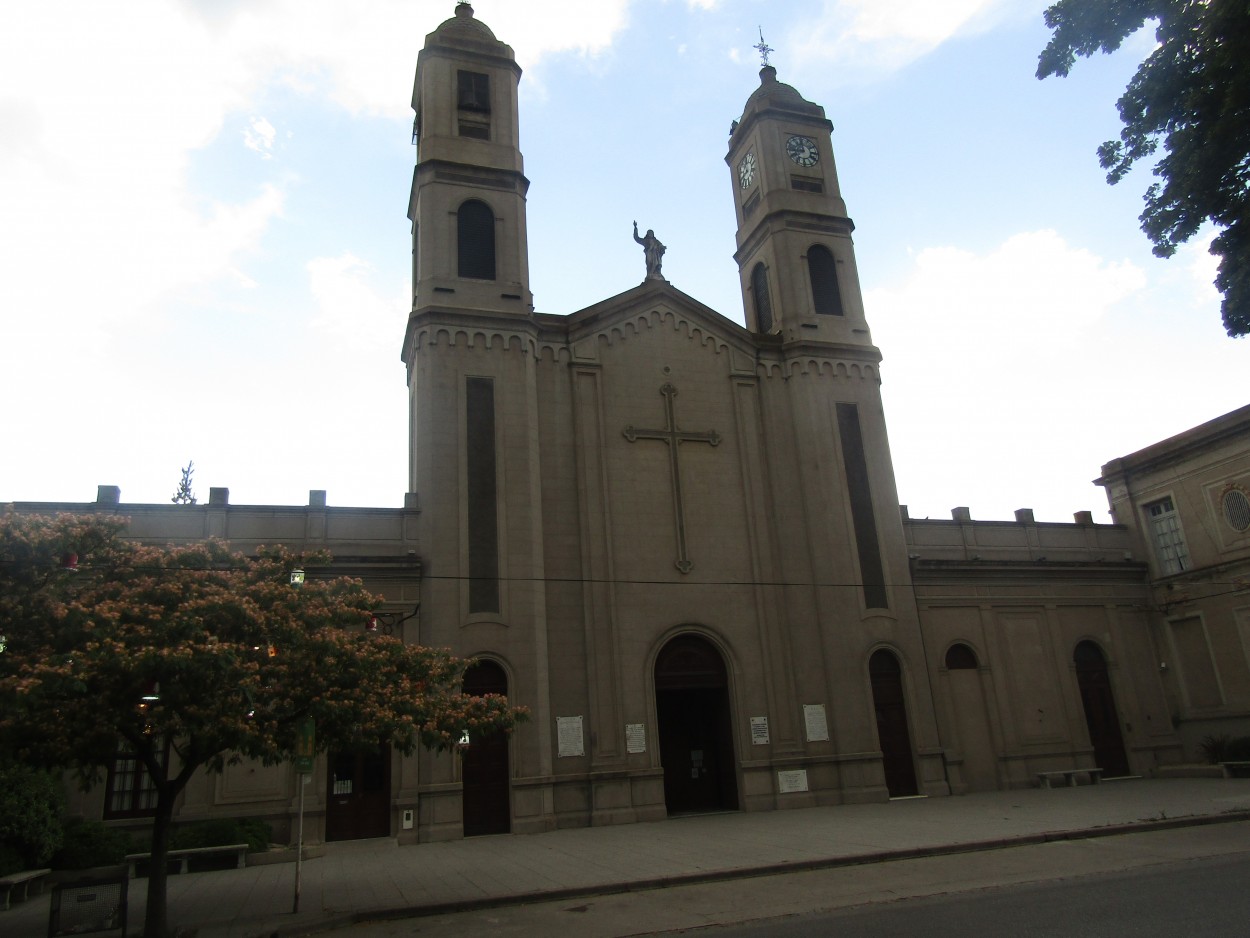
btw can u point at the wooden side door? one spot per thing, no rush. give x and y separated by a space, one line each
486 784
1101 716
890 704
358 794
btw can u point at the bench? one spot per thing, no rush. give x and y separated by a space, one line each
21 883
1068 775
1236 769
185 855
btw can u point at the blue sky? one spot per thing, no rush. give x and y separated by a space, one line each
204 252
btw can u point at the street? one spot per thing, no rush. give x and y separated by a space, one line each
1188 881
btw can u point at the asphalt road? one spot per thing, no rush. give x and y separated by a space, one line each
1188 881
1182 898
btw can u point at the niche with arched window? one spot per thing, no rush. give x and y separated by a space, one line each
759 296
823 273
475 241
959 657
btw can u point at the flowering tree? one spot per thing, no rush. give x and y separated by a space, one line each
212 654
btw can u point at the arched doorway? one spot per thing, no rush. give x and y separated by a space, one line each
487 803
1101 716
695 729
888 700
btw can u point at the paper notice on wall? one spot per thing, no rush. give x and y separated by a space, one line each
759 731
792 781
569 736
635 737
817 725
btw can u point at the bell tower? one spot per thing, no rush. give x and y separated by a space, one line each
795 258
467 203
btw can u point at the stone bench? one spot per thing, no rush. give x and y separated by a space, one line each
21 884
1236 769
185 855
1068 775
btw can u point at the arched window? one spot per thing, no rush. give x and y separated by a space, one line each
760 297
475 234
959 657
824 276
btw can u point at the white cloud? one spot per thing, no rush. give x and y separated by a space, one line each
995 367
872 36
259 136
350 310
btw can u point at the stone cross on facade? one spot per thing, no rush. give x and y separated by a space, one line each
674 437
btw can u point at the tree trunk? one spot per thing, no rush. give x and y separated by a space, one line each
155 920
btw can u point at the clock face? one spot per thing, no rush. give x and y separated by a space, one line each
746 170
803 151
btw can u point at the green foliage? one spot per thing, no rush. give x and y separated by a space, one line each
1192 93
10 860
31 802
217 832
91 843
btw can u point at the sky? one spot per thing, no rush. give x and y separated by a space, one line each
204 249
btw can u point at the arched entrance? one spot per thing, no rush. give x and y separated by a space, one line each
695 729
487 804
888 700
1101 716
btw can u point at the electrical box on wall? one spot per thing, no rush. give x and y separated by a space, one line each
407 820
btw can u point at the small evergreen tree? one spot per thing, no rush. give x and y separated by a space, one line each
184 495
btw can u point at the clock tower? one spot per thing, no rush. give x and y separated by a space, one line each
795 258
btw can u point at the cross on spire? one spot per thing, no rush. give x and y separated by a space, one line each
763 48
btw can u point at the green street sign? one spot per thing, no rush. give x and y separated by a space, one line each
305 746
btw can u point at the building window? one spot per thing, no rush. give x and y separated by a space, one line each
475 240
131 790
759 296
482 495
959 657
1165 531
473 92
824 277
863 517
1236 509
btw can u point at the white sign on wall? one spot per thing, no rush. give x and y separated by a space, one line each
817 725
569 736
635 737
791 781
759 731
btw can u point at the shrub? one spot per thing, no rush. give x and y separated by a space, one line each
91 843
30 815
1213 748
10 860
219 831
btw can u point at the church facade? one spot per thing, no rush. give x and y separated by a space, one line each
677 540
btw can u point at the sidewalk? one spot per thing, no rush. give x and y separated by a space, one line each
377 878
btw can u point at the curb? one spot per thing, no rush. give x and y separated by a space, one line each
330 923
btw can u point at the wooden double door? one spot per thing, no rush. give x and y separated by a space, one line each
695 729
